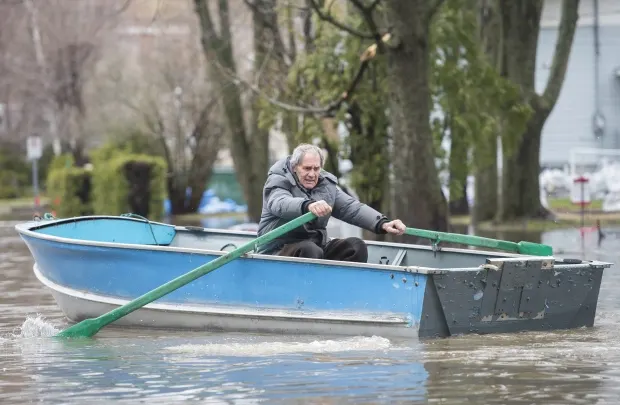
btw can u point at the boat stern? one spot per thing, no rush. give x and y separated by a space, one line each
512 295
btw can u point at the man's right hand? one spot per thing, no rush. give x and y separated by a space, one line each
320 208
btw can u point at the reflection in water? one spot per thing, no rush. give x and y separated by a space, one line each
143 366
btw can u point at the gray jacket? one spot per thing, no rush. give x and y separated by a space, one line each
285 199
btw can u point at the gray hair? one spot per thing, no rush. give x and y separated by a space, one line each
300 151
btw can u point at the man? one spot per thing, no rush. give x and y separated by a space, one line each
297 184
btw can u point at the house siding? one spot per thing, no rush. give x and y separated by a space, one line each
569 125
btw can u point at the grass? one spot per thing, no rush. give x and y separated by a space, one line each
568 215
565 205
8 205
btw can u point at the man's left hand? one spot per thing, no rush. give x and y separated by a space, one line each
395 227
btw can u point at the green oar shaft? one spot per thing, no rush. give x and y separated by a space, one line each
529 248
89 327
463 239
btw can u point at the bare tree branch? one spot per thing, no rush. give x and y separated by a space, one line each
559 64
367 15
432 9
157 11
326 111
334 21
269 19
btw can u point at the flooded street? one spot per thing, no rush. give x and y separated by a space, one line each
119 366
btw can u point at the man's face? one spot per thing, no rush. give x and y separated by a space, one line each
308 170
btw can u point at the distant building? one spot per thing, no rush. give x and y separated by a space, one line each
571 124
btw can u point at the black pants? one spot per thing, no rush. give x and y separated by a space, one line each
347 250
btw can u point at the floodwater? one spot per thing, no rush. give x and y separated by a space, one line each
120 366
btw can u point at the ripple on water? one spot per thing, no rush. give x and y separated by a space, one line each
124 366
277 348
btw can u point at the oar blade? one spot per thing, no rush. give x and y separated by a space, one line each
84 329
534 249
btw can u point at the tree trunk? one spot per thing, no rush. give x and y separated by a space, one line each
368 142
176 194
418 200
458 174
486 186
520 181
521 25
250 152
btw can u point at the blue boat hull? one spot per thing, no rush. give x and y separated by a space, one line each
93 265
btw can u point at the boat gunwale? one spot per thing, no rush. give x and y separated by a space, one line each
28 229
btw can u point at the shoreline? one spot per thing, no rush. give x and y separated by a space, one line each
563 220
566 216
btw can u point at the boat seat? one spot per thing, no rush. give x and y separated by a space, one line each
394 259
387 255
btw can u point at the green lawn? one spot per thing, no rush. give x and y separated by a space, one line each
7 205
565 204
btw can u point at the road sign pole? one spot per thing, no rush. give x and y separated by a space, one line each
34 152
35 182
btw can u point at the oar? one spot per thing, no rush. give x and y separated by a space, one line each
526 248
89 327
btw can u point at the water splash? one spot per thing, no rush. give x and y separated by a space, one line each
34 327
276 348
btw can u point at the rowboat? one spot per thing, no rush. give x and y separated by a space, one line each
94 264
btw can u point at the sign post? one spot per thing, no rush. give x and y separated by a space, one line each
34 150
581 195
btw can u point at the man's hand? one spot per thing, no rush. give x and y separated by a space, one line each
396 227
320 208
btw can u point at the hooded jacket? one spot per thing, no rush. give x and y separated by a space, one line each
284 199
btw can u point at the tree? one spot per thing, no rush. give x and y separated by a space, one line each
172 104
486 186
472 102
419 200
53 52
519 39
336 60
249 143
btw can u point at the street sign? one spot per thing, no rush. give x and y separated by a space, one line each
581 195
580 192
34 147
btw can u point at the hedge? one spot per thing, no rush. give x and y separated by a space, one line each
69 190
15 172
125 182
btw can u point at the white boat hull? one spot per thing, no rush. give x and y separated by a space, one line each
77 306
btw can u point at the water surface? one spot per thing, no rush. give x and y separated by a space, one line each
128 366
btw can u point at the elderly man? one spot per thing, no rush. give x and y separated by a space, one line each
297 184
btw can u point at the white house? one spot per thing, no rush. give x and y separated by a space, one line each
572 124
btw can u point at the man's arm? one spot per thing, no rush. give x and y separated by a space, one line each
281 203
351 211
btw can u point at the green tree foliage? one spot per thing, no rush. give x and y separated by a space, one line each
69 189
15 172
129 183
474 102
318 78
470 98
